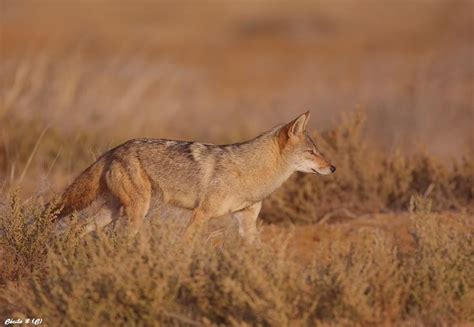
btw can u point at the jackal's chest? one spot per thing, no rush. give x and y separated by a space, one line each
223 204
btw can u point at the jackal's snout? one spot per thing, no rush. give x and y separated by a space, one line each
319 164
324 170
322 167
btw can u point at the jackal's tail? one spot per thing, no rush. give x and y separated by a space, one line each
83 190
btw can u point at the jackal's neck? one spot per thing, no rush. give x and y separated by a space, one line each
260 164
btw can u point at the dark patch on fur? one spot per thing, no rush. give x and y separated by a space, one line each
283 136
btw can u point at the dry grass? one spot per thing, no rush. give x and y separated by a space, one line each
368 279
387 240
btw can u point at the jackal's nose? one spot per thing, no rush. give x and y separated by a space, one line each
333 169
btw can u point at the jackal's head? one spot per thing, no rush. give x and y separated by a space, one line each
299 150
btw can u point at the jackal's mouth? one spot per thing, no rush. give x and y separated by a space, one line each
324 171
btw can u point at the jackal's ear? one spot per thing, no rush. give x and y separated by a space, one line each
294 127
298 126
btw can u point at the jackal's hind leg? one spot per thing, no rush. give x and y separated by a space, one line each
136 212
195 224
132 188
247 219
109 212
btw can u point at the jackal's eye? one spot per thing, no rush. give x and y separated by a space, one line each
311 151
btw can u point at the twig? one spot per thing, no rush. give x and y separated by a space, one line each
215 233
337 212
30 158
12 173
53 163
429 189
182 319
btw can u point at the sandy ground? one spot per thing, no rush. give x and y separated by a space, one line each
303 239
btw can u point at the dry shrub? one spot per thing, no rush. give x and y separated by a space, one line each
363 280
27 232
367 180
440 289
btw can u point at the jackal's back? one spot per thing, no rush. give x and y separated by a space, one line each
178 170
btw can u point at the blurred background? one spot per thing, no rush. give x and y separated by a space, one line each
80 76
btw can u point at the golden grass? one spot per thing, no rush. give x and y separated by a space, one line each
364 280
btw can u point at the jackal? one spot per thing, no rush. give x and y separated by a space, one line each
211 180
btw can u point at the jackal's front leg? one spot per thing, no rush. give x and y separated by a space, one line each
247 219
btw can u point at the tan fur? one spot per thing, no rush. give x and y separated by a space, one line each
84 189
211 180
